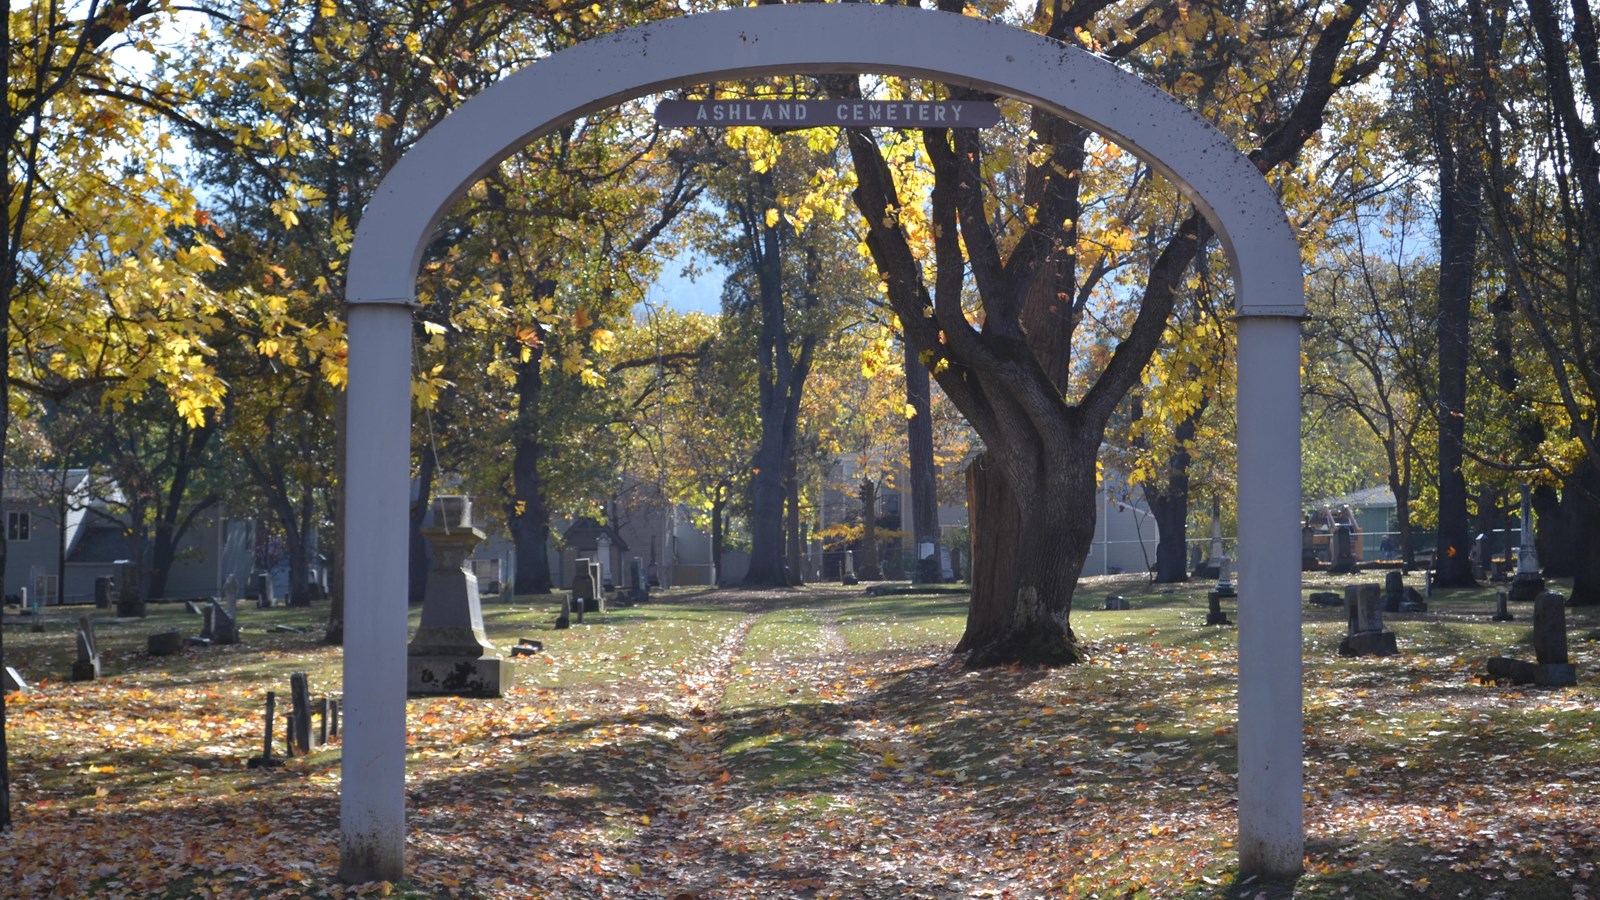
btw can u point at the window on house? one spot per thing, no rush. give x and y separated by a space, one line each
18 526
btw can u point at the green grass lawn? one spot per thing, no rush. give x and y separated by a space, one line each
816 743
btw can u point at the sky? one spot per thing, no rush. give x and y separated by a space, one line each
676 291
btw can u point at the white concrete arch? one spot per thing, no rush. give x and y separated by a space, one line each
821 38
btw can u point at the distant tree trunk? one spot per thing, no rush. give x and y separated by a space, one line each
185 448
868 569
334 635
1452 114
1586 569
793 536
1555 517
719 513
420 557
529 513
924 484
783 363
1169 506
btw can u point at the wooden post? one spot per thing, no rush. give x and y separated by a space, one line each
300 711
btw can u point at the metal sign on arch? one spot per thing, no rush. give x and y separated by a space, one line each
818 38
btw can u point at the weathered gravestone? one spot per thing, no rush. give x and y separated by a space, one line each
1367 637
221 625
450 654
1343 549
164 643
1214 613
1115 601
193 608
1326 598
11 681
1502 613
1551 667
87 666
527 647
1394 591
105 591
587 593
847 574
262 583
564 619
636 580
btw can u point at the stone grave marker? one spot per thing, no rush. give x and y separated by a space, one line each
221 626
87 666
527 647
847 574
449 653
164 643
1366 637
1326 598
636 579
1214 613
1550 640
105 591
1115 601
1502 613
564 620
11 681
262 582
587 591
192 608
1394 591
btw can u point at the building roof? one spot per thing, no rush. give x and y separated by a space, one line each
1379 497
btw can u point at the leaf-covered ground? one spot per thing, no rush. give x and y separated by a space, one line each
815 743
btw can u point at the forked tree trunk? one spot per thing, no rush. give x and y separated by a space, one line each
1028 548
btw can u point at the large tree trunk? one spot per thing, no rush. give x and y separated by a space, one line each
1586 571
782 370
1555 520
420 559
1028 549
1451 114
766 511
529 513
924 492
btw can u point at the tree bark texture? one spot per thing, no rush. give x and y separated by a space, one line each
924 484
867 568
529 513
783 362
1452 113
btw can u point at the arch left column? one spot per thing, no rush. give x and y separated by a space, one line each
377 495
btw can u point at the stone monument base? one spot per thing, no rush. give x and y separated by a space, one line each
1525 588
489 676
1369 643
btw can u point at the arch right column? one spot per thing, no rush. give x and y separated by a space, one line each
1271 799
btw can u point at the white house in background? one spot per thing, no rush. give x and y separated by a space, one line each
51 515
